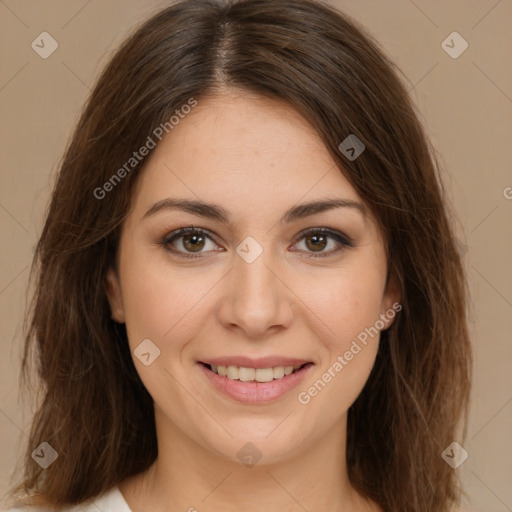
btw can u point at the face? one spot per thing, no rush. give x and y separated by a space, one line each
258 286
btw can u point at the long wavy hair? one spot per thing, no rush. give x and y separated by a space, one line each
93 408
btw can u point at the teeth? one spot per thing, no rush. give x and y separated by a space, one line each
253 374
278 372
264 375
233 373
246 374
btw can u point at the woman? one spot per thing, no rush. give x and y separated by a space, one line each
248 291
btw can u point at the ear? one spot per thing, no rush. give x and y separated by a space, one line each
114 295
391 300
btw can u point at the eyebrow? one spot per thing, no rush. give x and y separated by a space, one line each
218 213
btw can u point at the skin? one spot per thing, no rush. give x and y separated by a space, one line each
256 157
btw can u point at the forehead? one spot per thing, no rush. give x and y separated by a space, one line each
243 151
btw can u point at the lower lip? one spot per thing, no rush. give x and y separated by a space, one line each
256 392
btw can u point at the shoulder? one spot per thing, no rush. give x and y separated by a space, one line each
111 501
42 508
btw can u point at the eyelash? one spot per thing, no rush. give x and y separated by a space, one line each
343 240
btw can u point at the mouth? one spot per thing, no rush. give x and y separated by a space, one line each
249 374
260 383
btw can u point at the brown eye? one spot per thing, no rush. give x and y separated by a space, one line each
322 242
317 242
194 242
189 242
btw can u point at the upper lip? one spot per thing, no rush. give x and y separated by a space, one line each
248 362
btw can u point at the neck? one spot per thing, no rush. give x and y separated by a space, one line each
188 477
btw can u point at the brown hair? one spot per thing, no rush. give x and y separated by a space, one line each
95 410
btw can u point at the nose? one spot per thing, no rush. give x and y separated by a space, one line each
256 299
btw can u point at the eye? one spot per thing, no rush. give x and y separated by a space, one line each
322 242
189 242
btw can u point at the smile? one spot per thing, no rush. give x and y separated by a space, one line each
254 374
253 385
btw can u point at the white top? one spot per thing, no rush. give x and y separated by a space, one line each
111 501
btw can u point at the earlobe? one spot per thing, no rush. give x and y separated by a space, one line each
115 299
391 303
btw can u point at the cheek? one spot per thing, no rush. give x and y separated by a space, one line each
347 307
347 361
159 304
346 303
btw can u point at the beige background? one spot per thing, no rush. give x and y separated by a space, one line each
466 104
